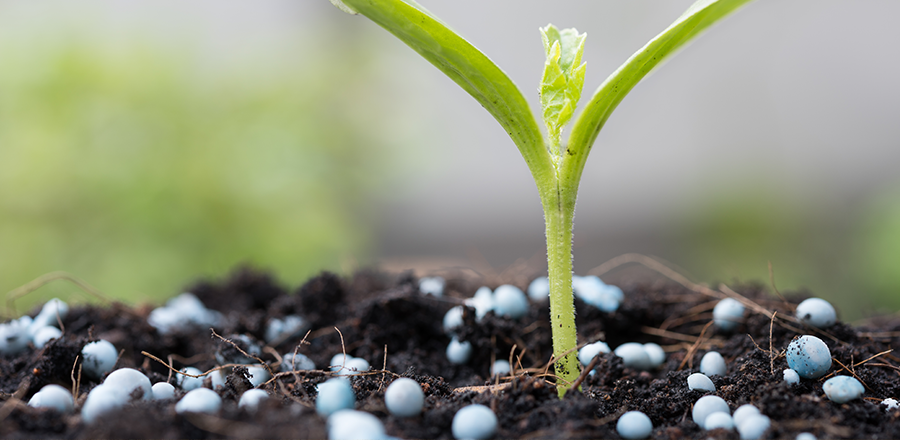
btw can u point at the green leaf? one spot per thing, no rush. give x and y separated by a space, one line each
695 20
563 80
468 67
340 5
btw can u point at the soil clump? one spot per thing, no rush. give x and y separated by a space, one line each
384 319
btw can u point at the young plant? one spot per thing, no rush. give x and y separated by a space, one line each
555 167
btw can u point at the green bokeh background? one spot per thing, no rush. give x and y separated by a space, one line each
852 259
140 166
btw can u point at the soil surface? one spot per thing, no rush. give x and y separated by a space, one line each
384 319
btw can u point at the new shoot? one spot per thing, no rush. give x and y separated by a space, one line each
555 166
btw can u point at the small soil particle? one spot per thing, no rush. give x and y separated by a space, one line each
384 319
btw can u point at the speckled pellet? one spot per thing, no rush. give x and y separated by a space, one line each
842 389
809 357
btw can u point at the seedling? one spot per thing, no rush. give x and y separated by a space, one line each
555 166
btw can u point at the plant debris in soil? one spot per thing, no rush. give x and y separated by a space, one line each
384 319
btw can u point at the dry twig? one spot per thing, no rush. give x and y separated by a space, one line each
689 357
42 281
254 357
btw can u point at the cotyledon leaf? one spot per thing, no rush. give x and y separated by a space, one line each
468 67
695 20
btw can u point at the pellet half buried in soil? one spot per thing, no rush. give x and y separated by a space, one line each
383 319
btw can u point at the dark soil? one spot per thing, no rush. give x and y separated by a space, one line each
385 320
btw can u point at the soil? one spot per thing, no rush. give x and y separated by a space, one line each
384 319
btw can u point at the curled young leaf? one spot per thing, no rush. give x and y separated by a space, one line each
563 79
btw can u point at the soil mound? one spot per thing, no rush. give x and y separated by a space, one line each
384 319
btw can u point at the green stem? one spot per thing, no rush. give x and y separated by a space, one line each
559 211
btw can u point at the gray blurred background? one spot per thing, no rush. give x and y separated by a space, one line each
145 144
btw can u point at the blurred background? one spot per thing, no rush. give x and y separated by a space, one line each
145 144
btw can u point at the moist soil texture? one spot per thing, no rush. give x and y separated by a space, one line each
385 319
